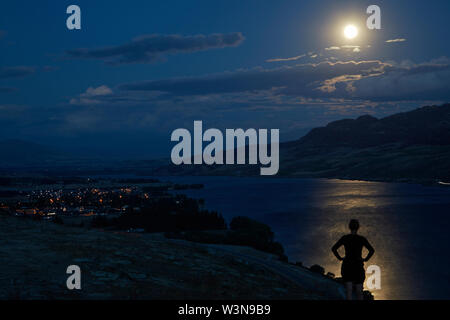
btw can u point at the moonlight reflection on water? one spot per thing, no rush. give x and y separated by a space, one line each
407 224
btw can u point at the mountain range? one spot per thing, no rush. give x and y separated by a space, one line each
423 126
408 146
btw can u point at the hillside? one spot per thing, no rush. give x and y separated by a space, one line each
116 265
423 126
411 146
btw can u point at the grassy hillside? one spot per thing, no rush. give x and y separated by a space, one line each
115 265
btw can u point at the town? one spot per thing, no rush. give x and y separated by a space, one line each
80 202
132 205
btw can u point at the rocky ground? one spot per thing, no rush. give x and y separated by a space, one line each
35 255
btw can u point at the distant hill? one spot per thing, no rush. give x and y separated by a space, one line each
423 126
410 146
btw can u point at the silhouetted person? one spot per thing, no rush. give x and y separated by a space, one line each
352 270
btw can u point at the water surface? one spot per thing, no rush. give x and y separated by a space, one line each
407 224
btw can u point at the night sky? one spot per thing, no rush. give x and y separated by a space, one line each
137 70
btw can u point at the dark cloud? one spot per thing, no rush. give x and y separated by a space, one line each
368 80
299 80
426 81
15 72
292 97
150 48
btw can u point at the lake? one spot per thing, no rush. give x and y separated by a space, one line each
408 224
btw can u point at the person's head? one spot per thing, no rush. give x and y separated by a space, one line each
353 225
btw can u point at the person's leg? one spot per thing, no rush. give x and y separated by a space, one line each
359 291
349 290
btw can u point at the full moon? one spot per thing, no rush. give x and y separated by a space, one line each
350 31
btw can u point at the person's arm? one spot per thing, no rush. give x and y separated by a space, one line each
335 249
370 248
